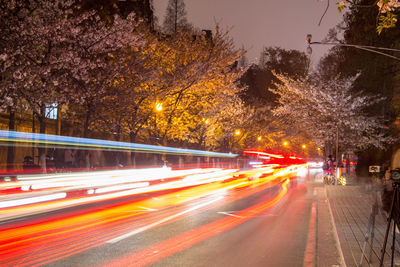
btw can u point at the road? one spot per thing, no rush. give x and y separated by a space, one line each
249 219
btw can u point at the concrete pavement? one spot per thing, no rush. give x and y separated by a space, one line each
343 221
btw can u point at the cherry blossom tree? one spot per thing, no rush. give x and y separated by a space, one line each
328 112
52 53
194 72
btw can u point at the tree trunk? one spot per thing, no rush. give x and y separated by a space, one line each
11 146
58 127
42 130
132 138
33 131
118 153
86 124
164 156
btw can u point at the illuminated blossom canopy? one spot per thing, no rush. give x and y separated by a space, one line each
324 109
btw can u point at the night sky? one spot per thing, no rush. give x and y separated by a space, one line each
258 23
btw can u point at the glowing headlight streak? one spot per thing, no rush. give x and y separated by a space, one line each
96 179
302 171
87 143
209 175
58 239
120 187
109 216
31 200
90 197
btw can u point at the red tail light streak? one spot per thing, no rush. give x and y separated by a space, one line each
47 241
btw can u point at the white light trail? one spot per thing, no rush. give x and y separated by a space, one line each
31 200
120 187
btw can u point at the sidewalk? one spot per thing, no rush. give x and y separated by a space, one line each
350 208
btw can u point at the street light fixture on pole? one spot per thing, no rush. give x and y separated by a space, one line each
373 49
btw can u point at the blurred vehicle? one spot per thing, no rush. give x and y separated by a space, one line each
315 164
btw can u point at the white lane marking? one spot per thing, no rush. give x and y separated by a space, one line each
147 227
231 213
309 253
228 213
146 208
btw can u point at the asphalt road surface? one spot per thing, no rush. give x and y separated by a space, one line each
250 221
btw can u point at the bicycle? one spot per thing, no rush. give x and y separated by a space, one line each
329 178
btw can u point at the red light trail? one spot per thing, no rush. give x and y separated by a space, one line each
48 241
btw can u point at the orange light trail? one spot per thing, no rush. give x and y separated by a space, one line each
189 238
48 241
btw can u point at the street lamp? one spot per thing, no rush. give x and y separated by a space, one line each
259 138
304 146
285 143
237 132
159 106
373 49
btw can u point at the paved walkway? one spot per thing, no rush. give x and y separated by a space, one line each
350 207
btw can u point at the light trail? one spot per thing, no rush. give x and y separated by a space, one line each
137 181
175 244
87 143
83 231
88 179
48 241
262 153
31 200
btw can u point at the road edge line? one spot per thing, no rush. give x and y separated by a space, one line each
336 236
310 252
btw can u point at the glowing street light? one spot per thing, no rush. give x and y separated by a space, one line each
285 143
159 106
304 146
237 132
259 138
206 121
